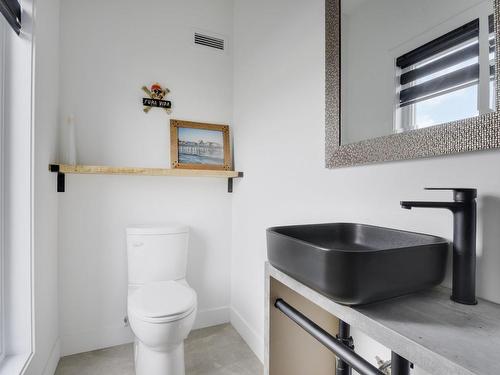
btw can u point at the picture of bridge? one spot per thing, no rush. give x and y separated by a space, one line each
198 146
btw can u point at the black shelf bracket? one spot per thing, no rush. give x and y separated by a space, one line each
230 182
61 178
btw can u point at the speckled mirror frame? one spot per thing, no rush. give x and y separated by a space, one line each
473 134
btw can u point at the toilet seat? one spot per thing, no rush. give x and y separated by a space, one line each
161 302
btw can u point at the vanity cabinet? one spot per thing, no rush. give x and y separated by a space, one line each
426 328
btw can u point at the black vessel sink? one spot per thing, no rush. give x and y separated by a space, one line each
355 264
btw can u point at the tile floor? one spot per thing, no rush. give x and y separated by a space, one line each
211 351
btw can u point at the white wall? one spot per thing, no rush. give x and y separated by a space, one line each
109 50
279 59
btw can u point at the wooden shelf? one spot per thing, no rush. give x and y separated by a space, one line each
63 169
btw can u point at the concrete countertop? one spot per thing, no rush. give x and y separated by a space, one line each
427 328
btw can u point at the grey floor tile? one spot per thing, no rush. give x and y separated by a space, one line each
211 351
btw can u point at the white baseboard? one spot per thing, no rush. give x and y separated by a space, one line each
87 341
55 354
254 341
212 317
106 337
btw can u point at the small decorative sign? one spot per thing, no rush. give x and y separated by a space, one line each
155 100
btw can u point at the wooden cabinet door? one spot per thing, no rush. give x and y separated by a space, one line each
292 351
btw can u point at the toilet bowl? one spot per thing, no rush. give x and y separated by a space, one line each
161 305
161 315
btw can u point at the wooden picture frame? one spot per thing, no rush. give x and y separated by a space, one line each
209 156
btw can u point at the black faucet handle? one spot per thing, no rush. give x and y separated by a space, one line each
460 194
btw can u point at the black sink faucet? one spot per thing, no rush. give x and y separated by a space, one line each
464 240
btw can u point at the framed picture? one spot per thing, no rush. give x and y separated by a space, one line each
195 145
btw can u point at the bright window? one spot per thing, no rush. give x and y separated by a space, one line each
440 81
16 281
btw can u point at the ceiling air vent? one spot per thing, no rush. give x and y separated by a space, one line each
209 41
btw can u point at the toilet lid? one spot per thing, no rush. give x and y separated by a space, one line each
162 299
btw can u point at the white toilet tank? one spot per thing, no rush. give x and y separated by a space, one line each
156 253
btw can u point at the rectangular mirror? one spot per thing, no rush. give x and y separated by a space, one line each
410 75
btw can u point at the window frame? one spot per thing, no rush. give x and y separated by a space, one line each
2 169
3 32
18 199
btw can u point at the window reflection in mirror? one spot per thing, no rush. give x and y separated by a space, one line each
408 64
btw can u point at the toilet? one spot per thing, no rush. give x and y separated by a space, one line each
161 305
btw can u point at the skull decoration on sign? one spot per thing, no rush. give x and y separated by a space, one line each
157 92
156 95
